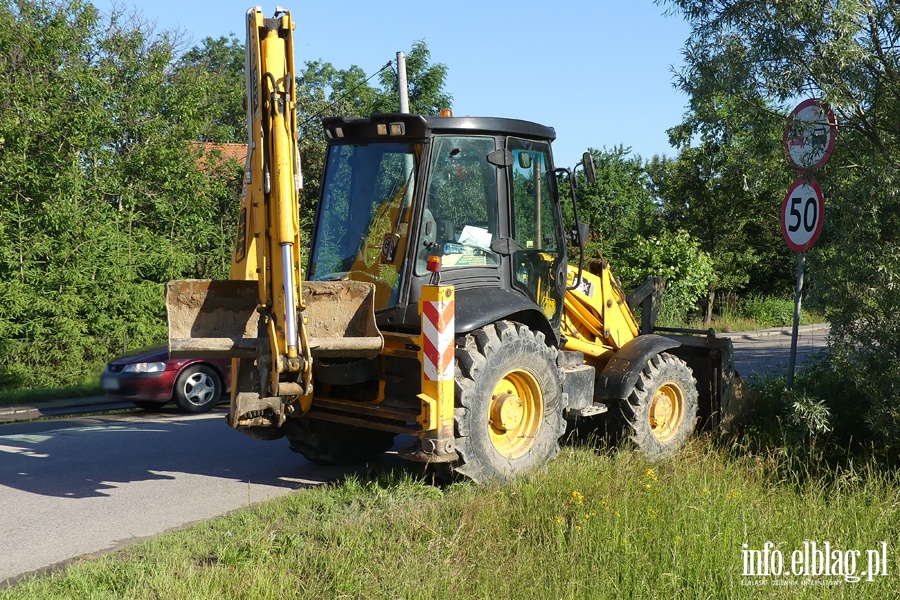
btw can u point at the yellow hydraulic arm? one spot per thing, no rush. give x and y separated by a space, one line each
261 318
597 321
268 246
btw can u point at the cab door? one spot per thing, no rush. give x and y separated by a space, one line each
536 226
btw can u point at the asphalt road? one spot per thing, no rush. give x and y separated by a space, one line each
78 486
766 353
73 487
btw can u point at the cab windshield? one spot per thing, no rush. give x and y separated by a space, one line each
364 216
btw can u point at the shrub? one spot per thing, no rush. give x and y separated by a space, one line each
677 257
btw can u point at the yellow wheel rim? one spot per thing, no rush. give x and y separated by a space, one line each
666 412
516 413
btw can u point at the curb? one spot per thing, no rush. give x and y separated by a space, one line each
762 333
60 408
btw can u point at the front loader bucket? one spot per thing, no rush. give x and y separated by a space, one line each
219 319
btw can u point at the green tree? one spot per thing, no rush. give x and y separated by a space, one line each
215 70
843 51
618 207
678 258
426 84
727 194
101 197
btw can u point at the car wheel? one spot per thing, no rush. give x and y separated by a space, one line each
198 388
149 404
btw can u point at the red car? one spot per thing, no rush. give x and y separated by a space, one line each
150 379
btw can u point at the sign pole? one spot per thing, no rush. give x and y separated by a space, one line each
801 262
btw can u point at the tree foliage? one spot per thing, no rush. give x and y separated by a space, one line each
105 192
618 206
214 70
101 197
846 52
631 227
677 257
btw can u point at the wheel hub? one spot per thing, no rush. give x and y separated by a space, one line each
661 411
506 411
515 414
666 412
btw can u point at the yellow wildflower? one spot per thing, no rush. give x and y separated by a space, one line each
576 497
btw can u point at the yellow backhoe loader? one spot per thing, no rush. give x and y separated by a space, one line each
436 300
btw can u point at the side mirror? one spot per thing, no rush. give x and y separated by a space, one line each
587 160
525 160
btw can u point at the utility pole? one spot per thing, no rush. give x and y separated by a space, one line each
402 84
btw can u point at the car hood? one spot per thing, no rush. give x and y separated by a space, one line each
155 353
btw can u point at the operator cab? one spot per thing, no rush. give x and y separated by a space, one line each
476 196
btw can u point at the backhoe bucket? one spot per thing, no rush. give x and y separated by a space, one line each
219 319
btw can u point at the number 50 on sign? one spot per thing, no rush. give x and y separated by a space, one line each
802 213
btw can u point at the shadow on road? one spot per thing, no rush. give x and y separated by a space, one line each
765 357
85 457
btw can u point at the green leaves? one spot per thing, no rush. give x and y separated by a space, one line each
677 257
746 64
102 199
105 193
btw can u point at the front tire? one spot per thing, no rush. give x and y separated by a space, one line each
508 402
198 388
662 409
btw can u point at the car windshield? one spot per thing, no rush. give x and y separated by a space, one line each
364 216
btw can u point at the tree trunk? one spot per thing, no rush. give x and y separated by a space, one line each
710 298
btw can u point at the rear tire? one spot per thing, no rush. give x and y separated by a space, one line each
197 389
328 443
508 402
662 409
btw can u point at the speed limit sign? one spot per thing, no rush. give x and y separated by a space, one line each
802 213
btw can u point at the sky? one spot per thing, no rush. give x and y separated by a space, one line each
599 72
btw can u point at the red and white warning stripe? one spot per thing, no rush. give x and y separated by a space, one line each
438 325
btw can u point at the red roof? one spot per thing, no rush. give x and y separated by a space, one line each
216 153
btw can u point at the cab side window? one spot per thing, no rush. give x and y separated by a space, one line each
534 223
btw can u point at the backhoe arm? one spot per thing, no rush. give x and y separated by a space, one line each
269 242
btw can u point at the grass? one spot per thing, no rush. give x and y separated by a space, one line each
597 523
754 312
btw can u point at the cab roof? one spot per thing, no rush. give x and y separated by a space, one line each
423 126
